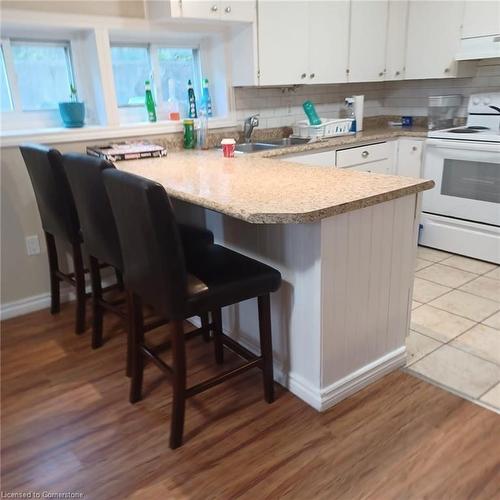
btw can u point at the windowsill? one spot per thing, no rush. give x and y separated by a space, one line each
58 135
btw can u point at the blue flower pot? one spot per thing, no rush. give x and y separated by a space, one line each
72 114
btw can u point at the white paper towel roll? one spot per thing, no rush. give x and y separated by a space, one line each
359 103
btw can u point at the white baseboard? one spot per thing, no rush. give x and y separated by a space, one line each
366 375
322 399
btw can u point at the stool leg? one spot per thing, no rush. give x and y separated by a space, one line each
205 326
80 288
179 384
219 349
266 346
97 312
136 331
55 282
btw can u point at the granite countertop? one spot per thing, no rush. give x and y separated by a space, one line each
263 190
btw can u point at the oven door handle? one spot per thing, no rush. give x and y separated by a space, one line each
464 145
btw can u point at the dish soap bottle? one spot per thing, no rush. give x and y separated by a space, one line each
310 111
172 103
206 100
191 101
203 130
150 103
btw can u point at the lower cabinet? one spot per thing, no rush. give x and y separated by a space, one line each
409 157
400 157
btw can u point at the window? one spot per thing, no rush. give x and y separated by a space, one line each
180 65
5 98
131 68
43 73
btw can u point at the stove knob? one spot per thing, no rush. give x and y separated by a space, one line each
476 100
486 101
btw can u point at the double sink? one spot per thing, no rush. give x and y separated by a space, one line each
254 147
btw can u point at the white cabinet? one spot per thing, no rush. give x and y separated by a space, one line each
481 18
328 41
215 10
433 38
302 42
283 48
377 158
396 39
409 157
367 40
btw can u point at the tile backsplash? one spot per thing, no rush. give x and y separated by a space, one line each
282 107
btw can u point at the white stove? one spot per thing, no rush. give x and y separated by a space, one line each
483 121
461 214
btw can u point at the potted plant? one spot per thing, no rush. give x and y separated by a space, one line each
72 112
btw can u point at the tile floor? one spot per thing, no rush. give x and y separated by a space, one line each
454 340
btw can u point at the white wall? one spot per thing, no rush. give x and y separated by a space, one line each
278 107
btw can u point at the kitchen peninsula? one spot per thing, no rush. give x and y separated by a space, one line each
344 241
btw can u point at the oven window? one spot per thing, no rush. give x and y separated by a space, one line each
471 179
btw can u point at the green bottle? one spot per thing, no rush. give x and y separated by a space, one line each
150 103
191 101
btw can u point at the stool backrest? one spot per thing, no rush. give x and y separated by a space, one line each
153 257
98 225
52 191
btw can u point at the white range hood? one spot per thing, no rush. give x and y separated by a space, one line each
481 47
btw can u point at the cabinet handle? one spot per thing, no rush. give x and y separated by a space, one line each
303 75
312 75
414 148
364 154
227 10
446 70
214 8
381 73
398 73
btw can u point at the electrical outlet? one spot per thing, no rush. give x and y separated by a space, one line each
32 245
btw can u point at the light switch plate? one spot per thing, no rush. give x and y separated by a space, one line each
32 245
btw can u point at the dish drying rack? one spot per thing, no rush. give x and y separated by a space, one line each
329 127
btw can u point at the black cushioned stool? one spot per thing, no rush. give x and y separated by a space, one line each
156 273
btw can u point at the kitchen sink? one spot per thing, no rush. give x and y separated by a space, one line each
288 141
253 147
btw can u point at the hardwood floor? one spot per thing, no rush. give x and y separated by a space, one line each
67 426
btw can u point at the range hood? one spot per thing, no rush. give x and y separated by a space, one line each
480 47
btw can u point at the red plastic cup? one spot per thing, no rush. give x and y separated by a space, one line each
228 147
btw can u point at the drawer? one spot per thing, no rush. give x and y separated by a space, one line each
363 154
323 159
375 167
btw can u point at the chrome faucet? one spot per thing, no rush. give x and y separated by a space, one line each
250 123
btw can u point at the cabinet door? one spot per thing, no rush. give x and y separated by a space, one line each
409 159
328 41
283 37
238 10
433 38
200 9
481 18
396 39
367 40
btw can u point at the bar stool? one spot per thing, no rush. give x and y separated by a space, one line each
156 273
101 241
59 220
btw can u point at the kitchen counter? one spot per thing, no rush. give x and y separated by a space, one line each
262 188
344 242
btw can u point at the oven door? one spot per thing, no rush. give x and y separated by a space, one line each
467 177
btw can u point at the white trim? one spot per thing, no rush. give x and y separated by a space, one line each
362 377
97 132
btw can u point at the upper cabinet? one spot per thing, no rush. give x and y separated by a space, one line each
302 42
367 41
433 39
395 55
230 10
481 18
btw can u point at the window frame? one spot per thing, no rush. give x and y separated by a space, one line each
136 113
17 117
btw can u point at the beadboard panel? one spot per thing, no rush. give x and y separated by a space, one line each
367 258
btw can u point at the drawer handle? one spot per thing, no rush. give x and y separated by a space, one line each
364 154
227 10
214 8
414 148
